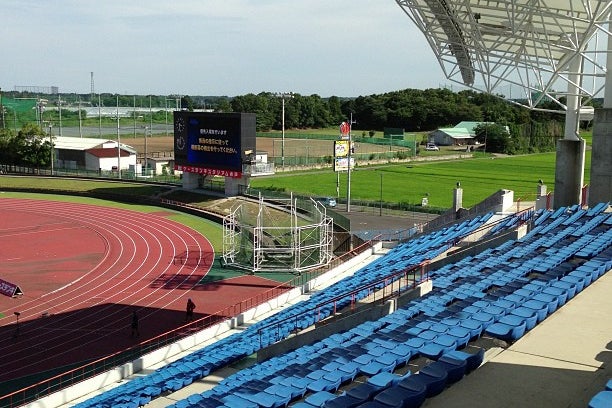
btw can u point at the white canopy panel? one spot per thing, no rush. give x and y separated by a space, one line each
489 44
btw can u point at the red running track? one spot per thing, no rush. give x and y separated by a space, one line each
83 269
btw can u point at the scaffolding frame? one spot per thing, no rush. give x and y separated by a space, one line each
279 238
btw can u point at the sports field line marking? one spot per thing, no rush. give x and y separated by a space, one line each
42 232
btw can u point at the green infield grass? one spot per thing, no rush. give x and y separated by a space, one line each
410 182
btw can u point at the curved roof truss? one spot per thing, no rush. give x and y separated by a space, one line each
490 44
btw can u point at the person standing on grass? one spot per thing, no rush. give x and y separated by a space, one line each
190 307
135 329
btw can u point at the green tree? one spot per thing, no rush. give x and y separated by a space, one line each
335 110
495 137
187 103
7 155
31 147
223 105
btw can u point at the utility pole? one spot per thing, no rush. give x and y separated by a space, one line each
52 146
80 120
381 194
2 108
118 142
348 172
99 116
283 95
59 108
146 163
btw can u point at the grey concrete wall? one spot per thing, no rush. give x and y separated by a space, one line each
190 181
569 172
600 189
340 323
475 249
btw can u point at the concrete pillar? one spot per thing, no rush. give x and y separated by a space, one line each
506 202
190 181
569 168
234 186
572 113
541 198
600 189
457 199
569 172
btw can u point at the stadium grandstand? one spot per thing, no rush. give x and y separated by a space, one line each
398 326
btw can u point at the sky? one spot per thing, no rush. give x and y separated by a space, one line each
214 47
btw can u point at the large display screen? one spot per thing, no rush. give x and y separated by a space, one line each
213 143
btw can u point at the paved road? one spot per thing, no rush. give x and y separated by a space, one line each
370 218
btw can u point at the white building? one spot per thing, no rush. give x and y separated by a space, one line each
92 154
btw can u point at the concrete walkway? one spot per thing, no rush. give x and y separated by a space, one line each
563 362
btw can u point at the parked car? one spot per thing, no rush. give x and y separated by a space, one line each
327 201
431 146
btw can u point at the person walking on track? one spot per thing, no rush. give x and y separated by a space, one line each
135 329
190 307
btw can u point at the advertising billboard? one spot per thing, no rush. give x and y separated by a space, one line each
213 143
341 155
341 148
342 163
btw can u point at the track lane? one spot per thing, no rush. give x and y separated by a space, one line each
140 248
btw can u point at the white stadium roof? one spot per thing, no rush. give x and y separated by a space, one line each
489 44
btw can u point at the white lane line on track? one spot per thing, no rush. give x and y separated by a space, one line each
172 227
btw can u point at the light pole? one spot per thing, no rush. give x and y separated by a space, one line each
118 143
40 108
2 107
99 117
283 95
80 121
381 190
51 141
59 109
146 163
348 173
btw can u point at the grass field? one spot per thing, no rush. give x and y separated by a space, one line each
410 182
400 183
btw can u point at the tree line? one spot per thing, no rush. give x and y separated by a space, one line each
413 110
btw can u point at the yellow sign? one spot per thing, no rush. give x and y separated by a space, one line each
341 148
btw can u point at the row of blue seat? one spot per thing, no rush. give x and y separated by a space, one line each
603 399
433 339
202 362
431 306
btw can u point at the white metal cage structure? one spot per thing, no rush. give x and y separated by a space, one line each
272 237
551 49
